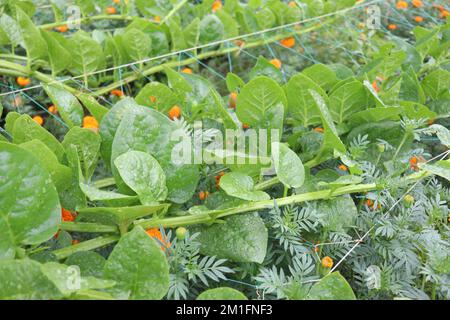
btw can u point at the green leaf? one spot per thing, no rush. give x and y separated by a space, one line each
436 84
211 29
230 26
346 100
239 185
288 166
109 125
60 174
87 54
339 214
263 67
331 140
300 101
151 8
96 109
322 75
87 144
440 168
192 33
374 115
109 198
234 82
158 96
58 55
29 206
137 44
68 280
26 129
34 43
241 238
142 173
12 29
147 130
139 266
89 262
24 280
331 287
442 133
67 104
223 293
261 104
73 197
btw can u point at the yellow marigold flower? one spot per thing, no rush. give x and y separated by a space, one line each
39 120
276 63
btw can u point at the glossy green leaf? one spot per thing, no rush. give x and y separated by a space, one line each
58 55
331 287
288 166
34 43
436 84
261 104
222 293
137 44
142 173
109 198
67 104
59 173
346 100
211 29
139 266
322 75
300 102
24 280
158 96
263 67
29 206
239 185
87 54
241 238
87 143
146 130
440 168
89 262
26 129
96 109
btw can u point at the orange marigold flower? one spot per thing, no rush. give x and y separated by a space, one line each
375 86
288 42
343 167
62 29
417 3
217 5
23 81
175 112
413 161
327 262
52 109
156 234
203 195
117 93
187 70
232 101
66 215
402 5
318 129
245 126
392 27
418 19
444 14
39 120
90 122
276 63
157 19
111 10
292 4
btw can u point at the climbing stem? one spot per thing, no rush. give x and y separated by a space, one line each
86 20
88 227
85 246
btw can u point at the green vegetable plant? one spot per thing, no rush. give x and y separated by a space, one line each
129 189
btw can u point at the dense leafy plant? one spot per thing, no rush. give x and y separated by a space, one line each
350 200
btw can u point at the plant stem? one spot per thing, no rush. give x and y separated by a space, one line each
88 227
103 183
86 19
173 11
85 246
